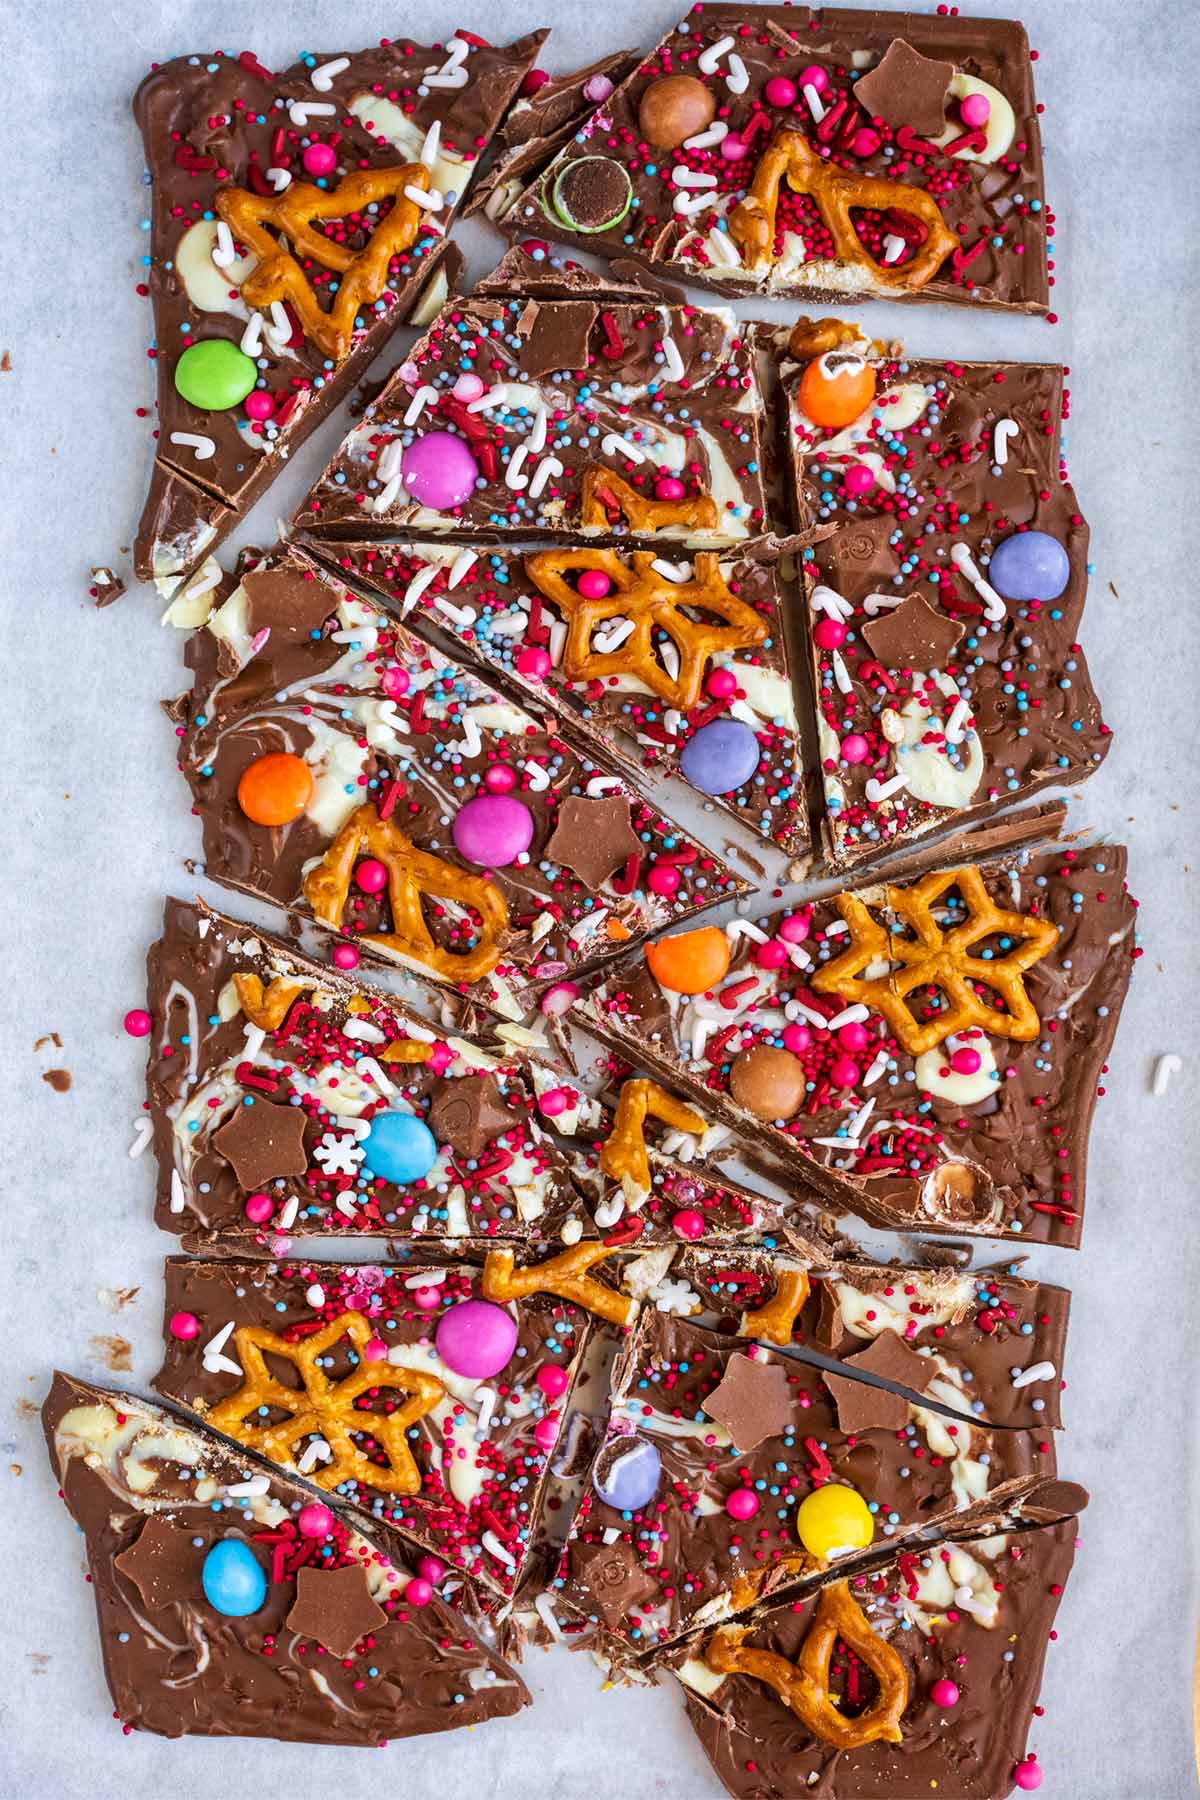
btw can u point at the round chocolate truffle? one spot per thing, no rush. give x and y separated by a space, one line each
673 108
769 1083
592 194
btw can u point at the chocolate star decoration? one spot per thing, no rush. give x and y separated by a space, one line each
913 635
862 551
468 1113
163 1563
617 1581
864 1408
335 1607
593 838
751 1401
906 88
262 1142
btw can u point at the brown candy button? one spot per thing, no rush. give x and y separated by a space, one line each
769 1083
673 108
592 194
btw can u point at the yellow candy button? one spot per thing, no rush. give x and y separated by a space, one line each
833 1520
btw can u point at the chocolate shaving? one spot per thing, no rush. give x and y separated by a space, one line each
906 88
335 1607
914 635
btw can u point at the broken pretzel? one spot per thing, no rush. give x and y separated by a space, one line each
565 1275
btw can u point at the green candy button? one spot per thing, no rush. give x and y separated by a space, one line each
215 375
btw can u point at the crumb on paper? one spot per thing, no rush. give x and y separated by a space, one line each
6 363
106 585
49 1037
117 1299
58 1079
116 1353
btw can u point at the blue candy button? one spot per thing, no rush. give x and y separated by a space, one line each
233 1579
399 1147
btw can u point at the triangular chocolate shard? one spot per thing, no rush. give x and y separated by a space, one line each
256 345
226 1654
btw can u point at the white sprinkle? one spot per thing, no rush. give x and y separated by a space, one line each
255 1037
216 1344
224 251
841 674
825 599
539 778
738 78
428 199
388 496
796 1009
279 178
543 1606
369 1066
203 446
432 144
612 639
993 605
684 177
1164 1068
387 463
315 1295
537 436
893 248
708 59
855 1124
431 1278
300 111
571 1231
345 1206
416 406
745 928
956 723
877 603
609 1211
883 790
704 140
487 1406
876 1069
1002 435
178 1197
416 587
849 1015
687 205
499 1550
249 1490
143 1135
673 360
363 1031
813 101
722 249
251 340
322 77
600 785
680 571
222 1365
316 1450
612 445
279 331
493 397
1043 1371
462 616
836 928
548 466
513 477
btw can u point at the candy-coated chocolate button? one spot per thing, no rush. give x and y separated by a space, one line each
1029 565
673 108
492 830
768 1082
626 1473
690 962
720 757
399 1147
832 1520
592 194
836 388
438 470
233 1579
215 374
476 1338
275 789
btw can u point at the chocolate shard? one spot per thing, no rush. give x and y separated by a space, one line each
285 601
335 1607
914 635
263 1142
469 1113
593 837
555 336
752 1401
191 1668
906 88
864 1407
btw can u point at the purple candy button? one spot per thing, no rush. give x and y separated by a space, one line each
626 1473
492 830
1029 565
438 470
720 756
476 1339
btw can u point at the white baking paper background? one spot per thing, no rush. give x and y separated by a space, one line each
96 828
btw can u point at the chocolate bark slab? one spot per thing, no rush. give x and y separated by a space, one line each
866 204
331 1655
993 1141
978 1615
679 702
240 156
679 1559
939 701
214 988
512 861
991 1342
557 419
467 1486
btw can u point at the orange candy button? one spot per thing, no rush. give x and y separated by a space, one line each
836 388
275 789
690 963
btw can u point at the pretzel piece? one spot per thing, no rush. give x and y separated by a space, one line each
789 156
411 873
776 1319
803 1686
623 1156
279 274
267 1008
602 490
326 1407
937 958
406 1050
565 1275
654 603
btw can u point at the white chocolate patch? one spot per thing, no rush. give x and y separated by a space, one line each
935 1076
206 286
929 773
1001 127
942 1301
386 120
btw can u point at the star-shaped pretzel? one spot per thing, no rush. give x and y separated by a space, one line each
623 1156
804 1685
411 873
602 491
654 603
565 1275
326 1408
363 274
934 957
789 156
